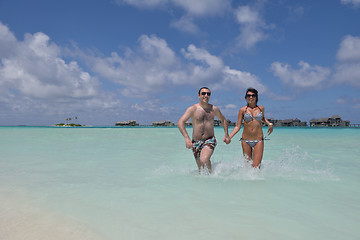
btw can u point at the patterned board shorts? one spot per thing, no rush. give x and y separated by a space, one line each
198 145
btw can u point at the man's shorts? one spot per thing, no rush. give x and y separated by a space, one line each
198 145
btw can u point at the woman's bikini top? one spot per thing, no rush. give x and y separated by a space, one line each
248 117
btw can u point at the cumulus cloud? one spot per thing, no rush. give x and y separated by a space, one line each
154 66
355 3
185 24
35 80
149 68
203 7
202 66
34 68
252 26
349 49
305 77
240 80
207 68
192 9
347 69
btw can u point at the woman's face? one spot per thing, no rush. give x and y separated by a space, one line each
250 97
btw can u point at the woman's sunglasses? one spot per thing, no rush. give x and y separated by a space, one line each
250 95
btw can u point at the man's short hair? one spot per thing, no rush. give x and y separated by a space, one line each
203 88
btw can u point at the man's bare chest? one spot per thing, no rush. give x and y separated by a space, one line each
202 115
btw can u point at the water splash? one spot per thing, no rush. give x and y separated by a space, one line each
292 164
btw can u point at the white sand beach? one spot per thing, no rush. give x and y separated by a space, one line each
22 220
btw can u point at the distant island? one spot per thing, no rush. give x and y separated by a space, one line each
68 124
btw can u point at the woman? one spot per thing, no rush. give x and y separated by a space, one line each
252 140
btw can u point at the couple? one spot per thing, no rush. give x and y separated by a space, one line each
203 140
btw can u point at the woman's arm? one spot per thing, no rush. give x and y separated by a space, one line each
238 124
271 126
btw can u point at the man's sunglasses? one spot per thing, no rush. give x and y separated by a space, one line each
250 95
206 93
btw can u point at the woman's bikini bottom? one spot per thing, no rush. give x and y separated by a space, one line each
252 143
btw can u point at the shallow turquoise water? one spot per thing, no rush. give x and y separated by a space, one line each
142 183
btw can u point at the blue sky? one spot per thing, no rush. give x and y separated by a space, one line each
114 60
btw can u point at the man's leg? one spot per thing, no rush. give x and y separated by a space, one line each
205 156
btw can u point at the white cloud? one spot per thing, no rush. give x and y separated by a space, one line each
354 102
202 67
191 7
246 15
185 24
355 3
34 68
143 3
35 81
150 68
152 105
252 26
347 69
305 77
154 66
203 7
230 106
240 80
348 73
349 49
7 41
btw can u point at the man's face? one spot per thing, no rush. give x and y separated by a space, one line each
204 95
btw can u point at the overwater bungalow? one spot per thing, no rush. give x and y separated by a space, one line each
287 123
127 123
333 121
167 123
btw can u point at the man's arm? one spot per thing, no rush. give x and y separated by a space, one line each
181 125
220 116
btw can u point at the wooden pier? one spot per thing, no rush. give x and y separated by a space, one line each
354 125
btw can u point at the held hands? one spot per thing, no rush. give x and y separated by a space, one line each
227 139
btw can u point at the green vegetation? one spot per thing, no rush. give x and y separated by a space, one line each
68 124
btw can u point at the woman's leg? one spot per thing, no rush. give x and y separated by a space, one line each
258 153
247 150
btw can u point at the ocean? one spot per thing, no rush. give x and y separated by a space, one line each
114 183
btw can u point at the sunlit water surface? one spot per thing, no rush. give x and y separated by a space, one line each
142 183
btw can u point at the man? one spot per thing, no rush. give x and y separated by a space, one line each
202 117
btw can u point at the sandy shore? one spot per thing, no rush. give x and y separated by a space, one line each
22 220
